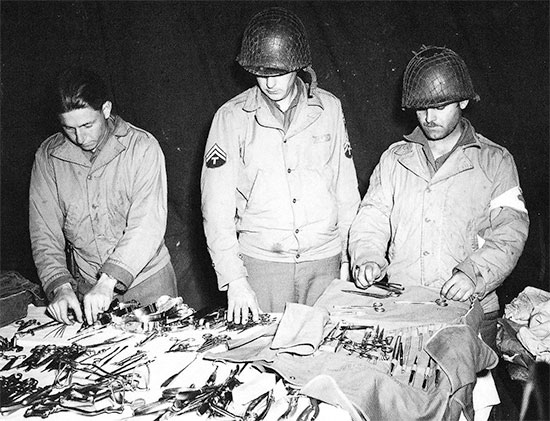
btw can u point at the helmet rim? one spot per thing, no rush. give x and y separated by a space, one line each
274 43
434 77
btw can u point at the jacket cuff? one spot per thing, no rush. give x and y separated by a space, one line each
50 288
469 269
123 277
345 256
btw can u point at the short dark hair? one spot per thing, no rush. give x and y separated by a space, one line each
80 88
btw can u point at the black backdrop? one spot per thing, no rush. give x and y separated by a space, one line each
170 65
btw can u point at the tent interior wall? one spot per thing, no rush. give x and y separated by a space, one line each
171 64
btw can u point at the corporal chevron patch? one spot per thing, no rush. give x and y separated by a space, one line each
215 157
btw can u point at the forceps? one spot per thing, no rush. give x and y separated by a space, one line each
397 289
370 294
438 302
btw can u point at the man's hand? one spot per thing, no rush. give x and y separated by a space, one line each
99 298
344 271
365 275
64 299
240 300
459 288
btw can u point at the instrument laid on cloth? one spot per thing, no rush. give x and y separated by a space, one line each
438 302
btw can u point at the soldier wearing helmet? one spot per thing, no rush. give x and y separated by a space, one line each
444 208
278 185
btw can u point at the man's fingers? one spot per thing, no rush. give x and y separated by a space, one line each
239 314
230 310
255 313
244 314
77 312
52 309
369 276
450 293
372 272
366 274
88 311
445 289
361 282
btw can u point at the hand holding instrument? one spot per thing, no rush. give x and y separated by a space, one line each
396 289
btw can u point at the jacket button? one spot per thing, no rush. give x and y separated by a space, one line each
89 177
294 200
289 171
297 231
298 256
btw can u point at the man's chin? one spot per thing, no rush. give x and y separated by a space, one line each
88 148
433 134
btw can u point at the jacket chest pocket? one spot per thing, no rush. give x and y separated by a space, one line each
319 150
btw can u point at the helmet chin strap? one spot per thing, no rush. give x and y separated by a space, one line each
313 85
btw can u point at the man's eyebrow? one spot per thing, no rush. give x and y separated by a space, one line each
82 125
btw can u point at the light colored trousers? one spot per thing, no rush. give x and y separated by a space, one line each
276 284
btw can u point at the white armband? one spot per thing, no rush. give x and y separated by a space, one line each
511 199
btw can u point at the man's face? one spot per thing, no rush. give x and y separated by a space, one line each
277 88
85 127
438 123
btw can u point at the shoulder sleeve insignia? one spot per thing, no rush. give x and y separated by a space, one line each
215 157
347 149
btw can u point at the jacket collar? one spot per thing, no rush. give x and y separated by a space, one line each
68 151
256 100
308 109
468 137
415 161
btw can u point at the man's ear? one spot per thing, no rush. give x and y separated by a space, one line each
463 104
106 109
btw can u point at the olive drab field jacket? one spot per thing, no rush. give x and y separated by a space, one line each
112 212
276 196
470 216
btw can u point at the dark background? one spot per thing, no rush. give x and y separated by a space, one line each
170 65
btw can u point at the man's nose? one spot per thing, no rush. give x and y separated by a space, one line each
78 136
430 115
270 82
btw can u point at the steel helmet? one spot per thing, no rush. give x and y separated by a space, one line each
434 77
274 43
